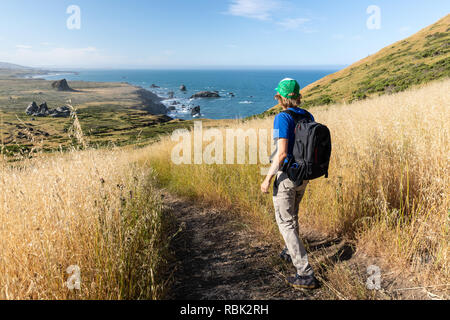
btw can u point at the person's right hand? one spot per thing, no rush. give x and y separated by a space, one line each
265 186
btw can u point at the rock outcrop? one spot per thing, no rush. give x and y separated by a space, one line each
38 111
206 94
195 112
43 111
61 85
32 108
183 88
150 102
61 112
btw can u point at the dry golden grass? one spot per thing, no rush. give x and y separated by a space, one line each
93 209
388 187
418 59
388 191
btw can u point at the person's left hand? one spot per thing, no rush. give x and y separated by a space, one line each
265 186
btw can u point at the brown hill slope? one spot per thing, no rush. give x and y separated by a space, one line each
421 58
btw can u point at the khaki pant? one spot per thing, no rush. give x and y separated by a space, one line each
286 200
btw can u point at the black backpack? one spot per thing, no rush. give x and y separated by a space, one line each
312 149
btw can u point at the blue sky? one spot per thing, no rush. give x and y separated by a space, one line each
205 33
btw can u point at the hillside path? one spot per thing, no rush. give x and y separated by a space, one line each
219 258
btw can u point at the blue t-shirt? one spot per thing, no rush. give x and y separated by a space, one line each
284 128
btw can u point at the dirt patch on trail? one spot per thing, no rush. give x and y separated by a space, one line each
220 259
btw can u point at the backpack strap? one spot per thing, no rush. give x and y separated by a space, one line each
299 116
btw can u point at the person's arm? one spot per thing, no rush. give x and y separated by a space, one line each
277 163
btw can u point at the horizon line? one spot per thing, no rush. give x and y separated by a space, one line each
274 67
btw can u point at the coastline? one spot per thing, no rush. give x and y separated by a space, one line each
116 113
150 102
241 93
154 103
43 74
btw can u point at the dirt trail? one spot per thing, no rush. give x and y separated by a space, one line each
218 258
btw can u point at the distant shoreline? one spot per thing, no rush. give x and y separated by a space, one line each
149 100
44 73
242 93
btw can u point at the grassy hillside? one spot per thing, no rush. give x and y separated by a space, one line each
418 59
98 209
107 112
10 70
95 209
11 66
387 191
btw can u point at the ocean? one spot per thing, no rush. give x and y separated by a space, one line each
243 92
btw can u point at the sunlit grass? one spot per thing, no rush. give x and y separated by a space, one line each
388 187
94 209
388 192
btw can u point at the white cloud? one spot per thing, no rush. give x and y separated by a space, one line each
23 47
293 23
254 9
59 57
269 11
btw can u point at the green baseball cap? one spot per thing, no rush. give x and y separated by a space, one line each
289 88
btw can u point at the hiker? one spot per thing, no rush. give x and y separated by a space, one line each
286 195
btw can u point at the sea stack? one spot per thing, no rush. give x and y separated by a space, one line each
195 112
206 94
61 85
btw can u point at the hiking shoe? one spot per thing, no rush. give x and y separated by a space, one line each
285 255
303 282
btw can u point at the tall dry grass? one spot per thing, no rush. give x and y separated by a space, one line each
388 187
97 209
94 209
